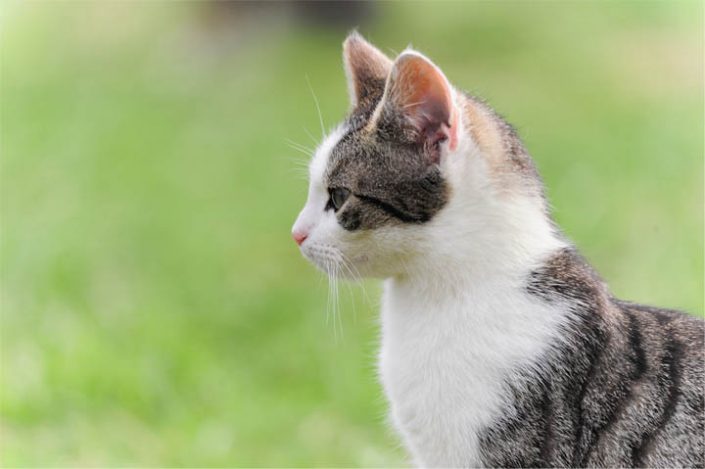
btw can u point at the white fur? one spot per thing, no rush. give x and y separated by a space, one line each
312 213
457 322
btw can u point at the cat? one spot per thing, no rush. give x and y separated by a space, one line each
501 346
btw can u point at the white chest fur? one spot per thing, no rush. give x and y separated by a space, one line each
446 357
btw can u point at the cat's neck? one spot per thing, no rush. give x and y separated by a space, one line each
472 247
488 233
478 294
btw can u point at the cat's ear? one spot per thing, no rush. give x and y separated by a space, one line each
419 93
365 67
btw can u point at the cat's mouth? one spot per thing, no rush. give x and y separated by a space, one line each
332 261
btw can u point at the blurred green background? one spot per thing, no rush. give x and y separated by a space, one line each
154 308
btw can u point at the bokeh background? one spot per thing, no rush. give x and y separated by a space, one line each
155 311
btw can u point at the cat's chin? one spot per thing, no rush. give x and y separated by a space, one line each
332 262
337 270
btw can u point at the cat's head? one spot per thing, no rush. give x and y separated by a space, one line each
416 167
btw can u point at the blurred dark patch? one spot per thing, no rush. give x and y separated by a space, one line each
338 15
334 14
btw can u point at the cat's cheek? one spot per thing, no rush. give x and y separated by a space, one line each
365 255
324 244
327 230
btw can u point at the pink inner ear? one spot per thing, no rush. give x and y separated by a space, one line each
422 93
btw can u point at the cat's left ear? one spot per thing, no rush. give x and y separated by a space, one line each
366 69
418 92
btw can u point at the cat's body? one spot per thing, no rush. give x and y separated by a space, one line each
549 371
500 345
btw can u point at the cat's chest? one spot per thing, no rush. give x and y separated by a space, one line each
445 362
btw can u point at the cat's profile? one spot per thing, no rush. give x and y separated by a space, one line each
501 346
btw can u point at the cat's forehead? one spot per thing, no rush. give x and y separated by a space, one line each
346 139
353 156
365 156
355 134
352 143
321 158
391 180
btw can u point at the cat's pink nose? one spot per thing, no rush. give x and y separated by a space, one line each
299 236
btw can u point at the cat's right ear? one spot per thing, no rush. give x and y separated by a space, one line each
366 68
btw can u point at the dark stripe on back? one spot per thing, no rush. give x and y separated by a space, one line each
672 362
635 342
639 367
623 387
548 443
594 355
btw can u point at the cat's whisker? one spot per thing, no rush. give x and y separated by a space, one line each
333 295
301 148
336 309
332 263
299 168
340 315
331 303
318 108
327 296
345 264
297 161
297 164
360 280
313 139
299 173
330 313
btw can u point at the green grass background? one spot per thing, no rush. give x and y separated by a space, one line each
154 308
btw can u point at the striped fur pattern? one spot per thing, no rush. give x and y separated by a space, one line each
624 388
501 346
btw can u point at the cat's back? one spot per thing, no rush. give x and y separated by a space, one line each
623 388
672 392
643 396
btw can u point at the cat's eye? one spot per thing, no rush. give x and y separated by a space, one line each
338 196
